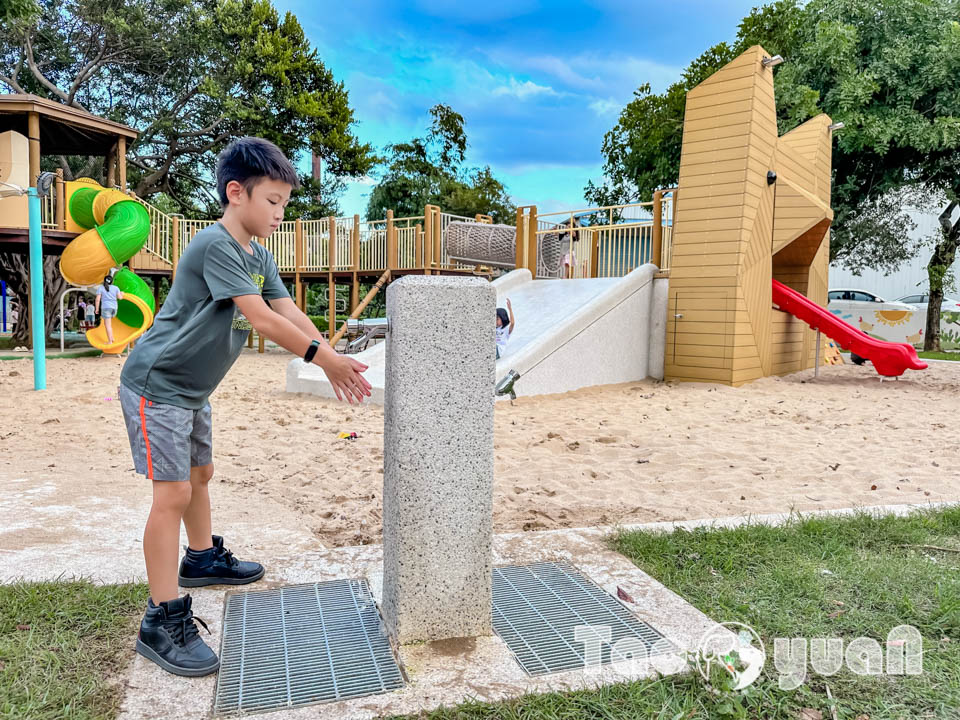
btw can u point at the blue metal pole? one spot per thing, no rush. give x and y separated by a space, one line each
37 316
3 291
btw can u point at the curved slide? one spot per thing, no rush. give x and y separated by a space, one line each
117 228
570 334
890 359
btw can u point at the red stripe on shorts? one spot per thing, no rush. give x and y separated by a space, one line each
146 440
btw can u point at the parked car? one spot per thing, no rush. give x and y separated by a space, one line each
852 301
920 301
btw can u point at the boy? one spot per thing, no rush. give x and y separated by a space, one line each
223 279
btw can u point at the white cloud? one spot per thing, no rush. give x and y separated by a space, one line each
605 107
612 74
523 90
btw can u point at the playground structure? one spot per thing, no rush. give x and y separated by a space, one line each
753 223
114 227
750 208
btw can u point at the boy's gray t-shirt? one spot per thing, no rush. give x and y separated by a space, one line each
199 332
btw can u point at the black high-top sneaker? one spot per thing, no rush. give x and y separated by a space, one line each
169 637
216 566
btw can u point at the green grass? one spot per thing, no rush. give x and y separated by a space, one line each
772 580
67 355
78 638
931 355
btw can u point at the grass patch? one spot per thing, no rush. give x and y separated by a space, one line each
773 579
62 647
66 355
931 355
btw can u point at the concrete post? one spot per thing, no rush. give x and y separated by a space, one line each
438 458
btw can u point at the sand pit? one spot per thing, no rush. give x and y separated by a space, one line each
619 454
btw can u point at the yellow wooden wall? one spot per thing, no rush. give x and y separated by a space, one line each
735 231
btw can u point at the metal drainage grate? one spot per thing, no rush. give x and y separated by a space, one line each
536 608
300 645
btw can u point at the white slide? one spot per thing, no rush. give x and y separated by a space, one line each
569 334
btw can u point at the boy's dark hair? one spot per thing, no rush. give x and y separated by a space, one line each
248 160
504 318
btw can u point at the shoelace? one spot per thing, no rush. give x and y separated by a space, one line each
182 629
228 556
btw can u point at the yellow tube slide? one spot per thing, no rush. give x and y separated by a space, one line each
123 334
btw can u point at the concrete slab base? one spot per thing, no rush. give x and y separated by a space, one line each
446 672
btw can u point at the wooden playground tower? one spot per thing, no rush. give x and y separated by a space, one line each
753 207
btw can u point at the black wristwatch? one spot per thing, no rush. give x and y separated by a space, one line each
311 351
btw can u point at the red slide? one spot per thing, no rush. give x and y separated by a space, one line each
890 359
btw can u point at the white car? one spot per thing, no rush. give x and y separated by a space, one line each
921 301
851 301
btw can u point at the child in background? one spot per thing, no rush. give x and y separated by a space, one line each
505 324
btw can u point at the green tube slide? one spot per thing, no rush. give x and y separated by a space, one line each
125 228
81 206
130 283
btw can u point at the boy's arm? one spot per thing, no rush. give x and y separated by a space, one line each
513 320
288 309
343 372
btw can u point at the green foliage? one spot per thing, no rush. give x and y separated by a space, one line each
886 68
430 171
190 76
13 11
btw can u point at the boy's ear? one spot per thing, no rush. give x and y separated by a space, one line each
235 192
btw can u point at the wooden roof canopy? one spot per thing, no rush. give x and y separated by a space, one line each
63 130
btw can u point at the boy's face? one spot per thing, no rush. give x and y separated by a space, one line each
260 211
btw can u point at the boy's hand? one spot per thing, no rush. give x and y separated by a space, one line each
509 306
344 374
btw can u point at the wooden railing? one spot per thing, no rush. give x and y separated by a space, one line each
608 241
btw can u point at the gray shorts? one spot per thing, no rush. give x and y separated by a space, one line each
166 441
108 312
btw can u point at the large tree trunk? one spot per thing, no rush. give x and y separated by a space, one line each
15 270
938 269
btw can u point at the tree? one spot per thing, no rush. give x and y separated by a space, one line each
189 75
888 69
430 171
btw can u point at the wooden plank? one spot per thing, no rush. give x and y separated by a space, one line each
701 373
709 140
705 234
705 193
714 166
730 353
685 280
704 259
741 107
699 248
701 361
721 98
739 153
692 327
697 224
713 339
718 212
727 84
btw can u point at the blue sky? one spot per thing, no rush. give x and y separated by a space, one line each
538 83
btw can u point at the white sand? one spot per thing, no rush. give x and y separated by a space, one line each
627 453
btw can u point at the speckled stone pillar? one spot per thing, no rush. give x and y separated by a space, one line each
438 458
